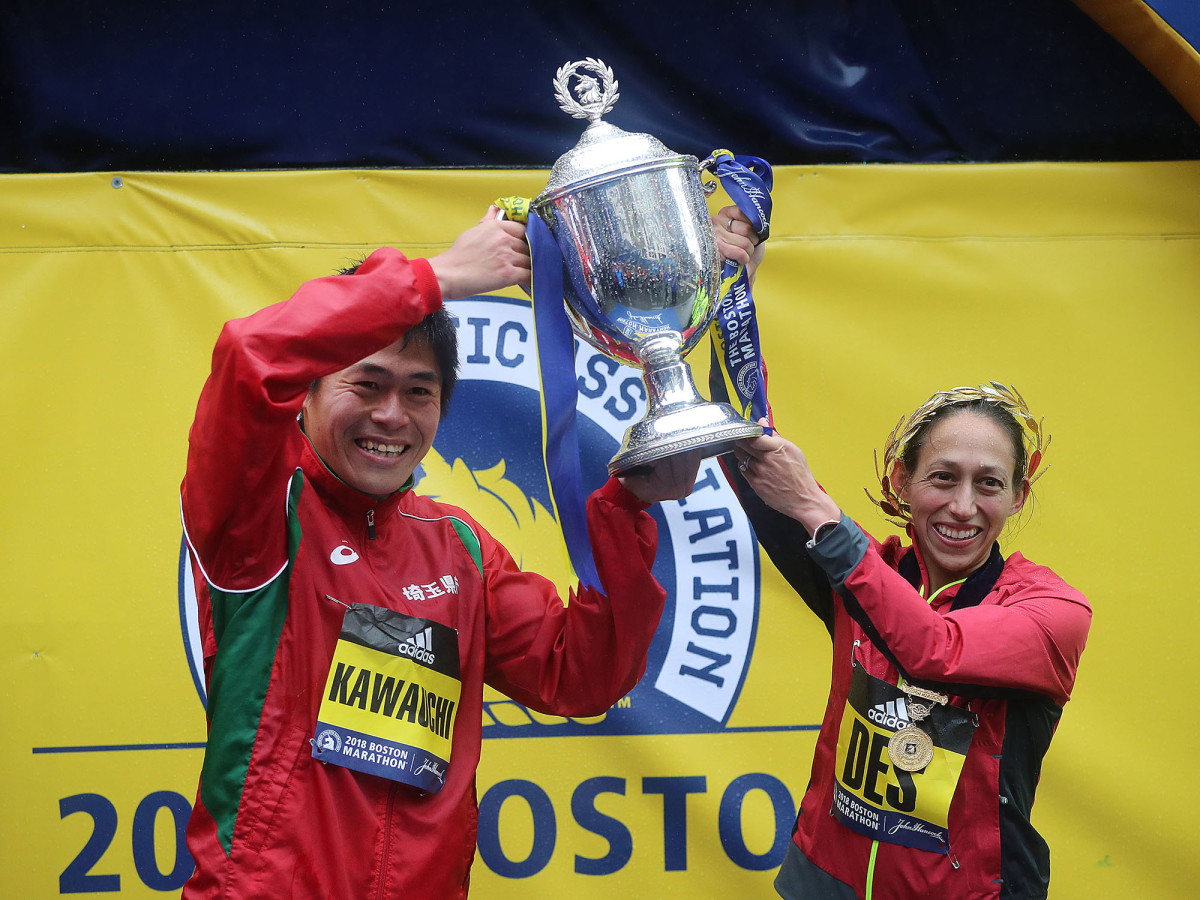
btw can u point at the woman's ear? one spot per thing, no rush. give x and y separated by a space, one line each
899 478
1020 495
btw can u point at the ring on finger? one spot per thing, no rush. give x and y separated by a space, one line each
729 225
745 464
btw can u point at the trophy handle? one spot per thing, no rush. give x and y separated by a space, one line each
708 187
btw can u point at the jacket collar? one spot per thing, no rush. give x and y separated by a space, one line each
970 592
347 501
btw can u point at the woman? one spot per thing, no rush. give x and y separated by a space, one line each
951 663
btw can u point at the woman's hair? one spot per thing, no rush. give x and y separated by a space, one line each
1003 405
1016 434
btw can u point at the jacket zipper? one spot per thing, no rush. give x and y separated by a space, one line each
370 524
386 854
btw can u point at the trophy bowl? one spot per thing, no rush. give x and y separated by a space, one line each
641 269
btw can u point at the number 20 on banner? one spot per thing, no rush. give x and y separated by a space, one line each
85 874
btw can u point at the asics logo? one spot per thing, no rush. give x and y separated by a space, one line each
342 555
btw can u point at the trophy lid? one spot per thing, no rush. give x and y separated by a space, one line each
604 150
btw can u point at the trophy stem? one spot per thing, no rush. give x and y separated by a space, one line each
678 419
667 377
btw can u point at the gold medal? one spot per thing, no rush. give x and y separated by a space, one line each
910 749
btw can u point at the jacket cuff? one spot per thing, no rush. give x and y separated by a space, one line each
840 550
616 494
427 282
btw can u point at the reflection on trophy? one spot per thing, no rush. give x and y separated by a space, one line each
641 271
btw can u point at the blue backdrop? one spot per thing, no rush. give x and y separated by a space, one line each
175 85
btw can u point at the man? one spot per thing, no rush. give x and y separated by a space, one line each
349 625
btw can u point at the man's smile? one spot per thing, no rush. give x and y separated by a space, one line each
380 449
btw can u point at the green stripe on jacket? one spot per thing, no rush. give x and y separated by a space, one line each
247 627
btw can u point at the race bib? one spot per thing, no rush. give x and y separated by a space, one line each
876 797
390 698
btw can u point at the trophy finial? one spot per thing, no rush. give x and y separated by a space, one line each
596 95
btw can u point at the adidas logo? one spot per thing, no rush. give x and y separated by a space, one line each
419 646
893 714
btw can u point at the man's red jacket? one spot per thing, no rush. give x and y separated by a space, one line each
271 529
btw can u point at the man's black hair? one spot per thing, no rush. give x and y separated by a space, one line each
439 332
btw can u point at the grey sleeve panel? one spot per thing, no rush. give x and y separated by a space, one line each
840 550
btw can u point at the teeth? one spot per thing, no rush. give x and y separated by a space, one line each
383 449
956 534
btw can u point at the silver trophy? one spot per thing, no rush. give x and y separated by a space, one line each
641 272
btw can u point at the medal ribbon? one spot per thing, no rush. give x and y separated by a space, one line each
560 392
736 353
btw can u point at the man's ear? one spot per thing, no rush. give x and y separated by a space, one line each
312 389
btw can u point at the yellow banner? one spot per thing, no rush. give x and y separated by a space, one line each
1077 283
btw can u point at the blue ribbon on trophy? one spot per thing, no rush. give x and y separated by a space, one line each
736 352
561 454
560 394
560 391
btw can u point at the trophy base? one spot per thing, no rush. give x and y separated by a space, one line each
712 428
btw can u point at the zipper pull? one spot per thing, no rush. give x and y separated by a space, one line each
370 524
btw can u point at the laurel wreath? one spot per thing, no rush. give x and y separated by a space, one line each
570 105
1007 398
